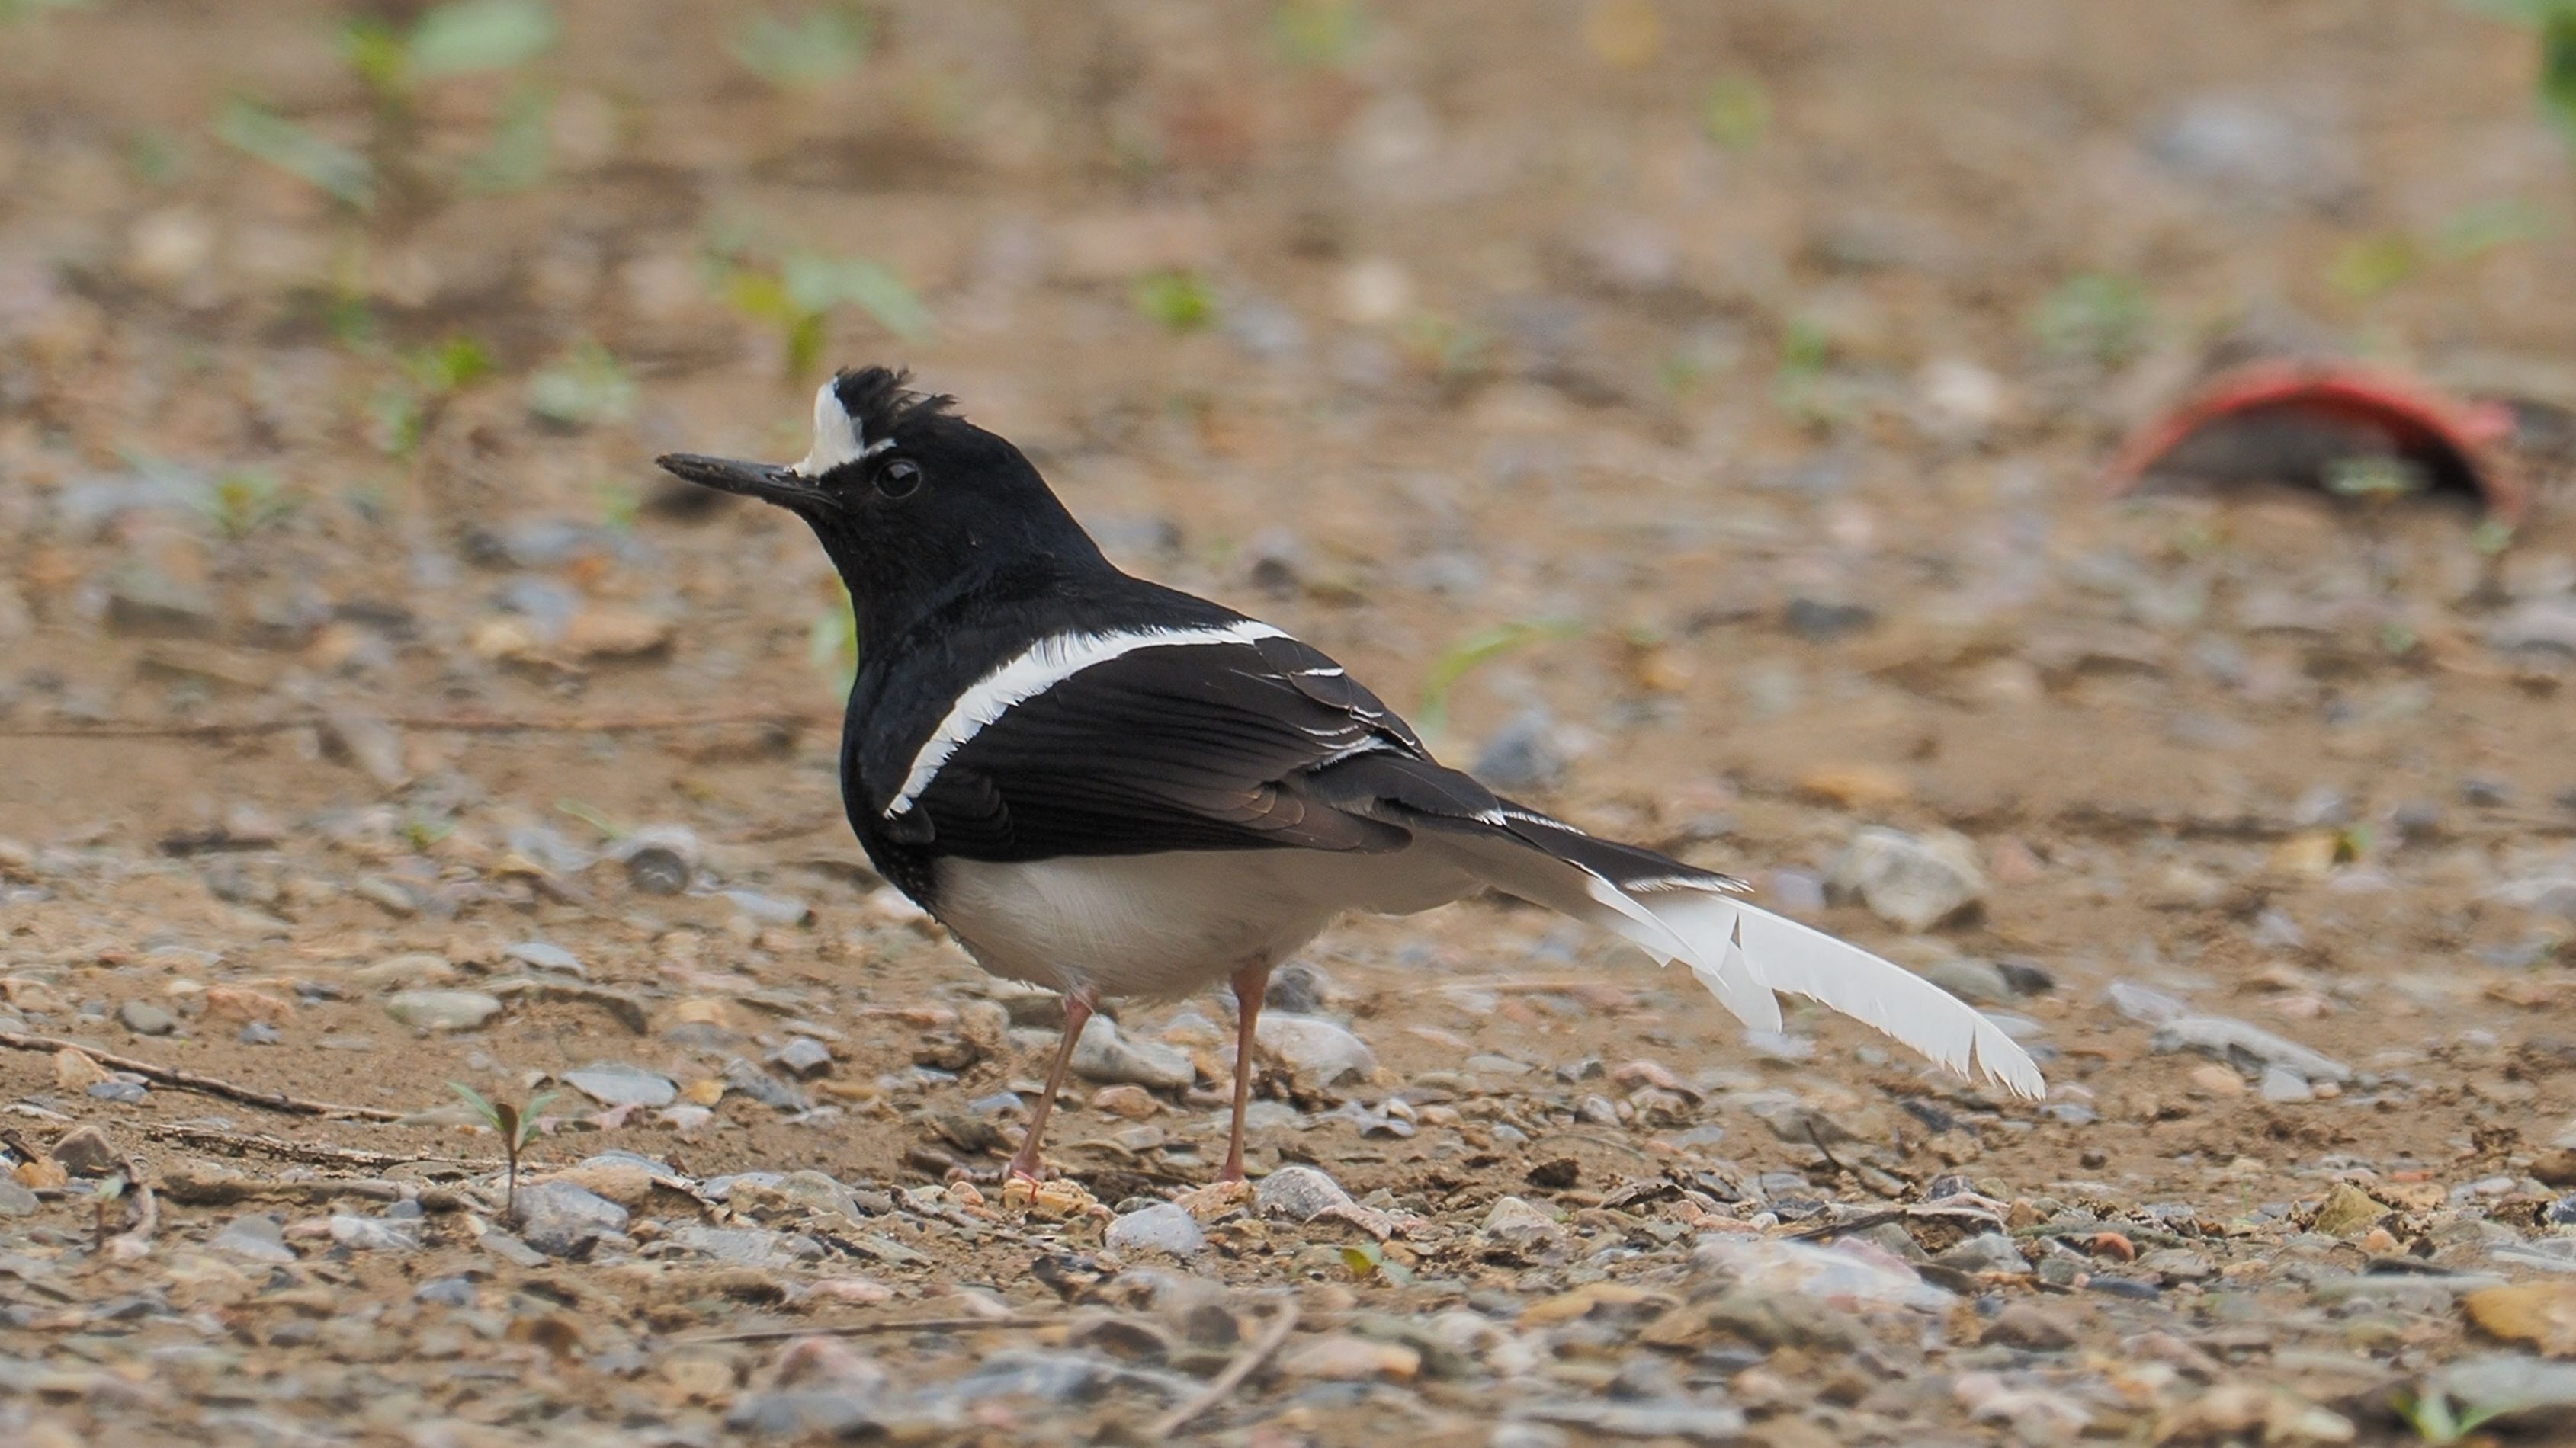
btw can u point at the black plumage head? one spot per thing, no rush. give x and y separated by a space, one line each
913 502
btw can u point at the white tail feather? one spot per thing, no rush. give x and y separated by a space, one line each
1743 954
1801 960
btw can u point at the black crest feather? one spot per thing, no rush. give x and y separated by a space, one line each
876 398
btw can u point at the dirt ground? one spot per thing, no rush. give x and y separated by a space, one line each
1729 385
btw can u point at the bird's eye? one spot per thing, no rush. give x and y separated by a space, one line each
899 479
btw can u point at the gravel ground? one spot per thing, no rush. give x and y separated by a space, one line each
1694 415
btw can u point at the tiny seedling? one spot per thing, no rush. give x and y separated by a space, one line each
517 1126
1178 301
1318 34
1734 112
405 405
1367 1259
2098 316
2437 1423
1431 709
394 65
809 51
107 1204
798 295
588 387
242 503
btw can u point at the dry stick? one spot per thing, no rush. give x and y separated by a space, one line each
193 1081
458 723
312 1152
1243 1366
870 1329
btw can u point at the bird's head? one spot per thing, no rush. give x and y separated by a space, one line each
909 499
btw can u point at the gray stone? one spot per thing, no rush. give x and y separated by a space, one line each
824 1414
1313 1050
84 1151
1161 1227
1106 1056
1913 881
1299 1193
1522 755
2517 1389
1985 1252
257 1237
413 971
1515 1226
660 859
2252 148
560 1219
734 1246
1978 982
1685 1418
2247 1047
770 909
445 1292
15 1200
442 1010
2285 1087
741 1075
804 1058
614 1083
1298 989
541 955
146 1019
2146 1006
376 1234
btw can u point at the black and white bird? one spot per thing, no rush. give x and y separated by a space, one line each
1112 788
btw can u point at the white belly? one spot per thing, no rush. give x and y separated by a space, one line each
1170 924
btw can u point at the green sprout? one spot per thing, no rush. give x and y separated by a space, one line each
517 1126
1178 300
1318 34
245 502
1431 707
2434 1421
2099 316
1367 1259
462 37
810 51
1734 112
104 1204
586 388
798 296
2374 264
404 406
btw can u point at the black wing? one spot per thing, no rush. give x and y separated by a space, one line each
1186 746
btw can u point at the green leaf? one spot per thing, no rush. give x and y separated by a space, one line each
482 1105
465 36
1318 34
817 283
816 48
450 365
515 158
1178 300
1432 710
585 388
2558 67
256 131
526 1130
1735 112
376 53
2373 264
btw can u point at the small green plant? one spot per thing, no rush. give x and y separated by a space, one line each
394 65
404 405
812 50
1367 1259
798 295
245 502
832 639
1799 381
517 1126
1318 34
13 12
2373 264
2434 1421
2555 85
1735 111
2098 316
1178 301
107 1210
588 387
1431 707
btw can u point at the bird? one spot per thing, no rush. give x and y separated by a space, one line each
1111 788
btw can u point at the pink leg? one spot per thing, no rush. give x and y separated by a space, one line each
1077 1011
1249 983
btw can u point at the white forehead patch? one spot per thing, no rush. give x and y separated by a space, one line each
836 436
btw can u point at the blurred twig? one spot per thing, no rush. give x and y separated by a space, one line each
193 1081
457 723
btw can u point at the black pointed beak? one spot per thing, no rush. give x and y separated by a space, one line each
769 482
